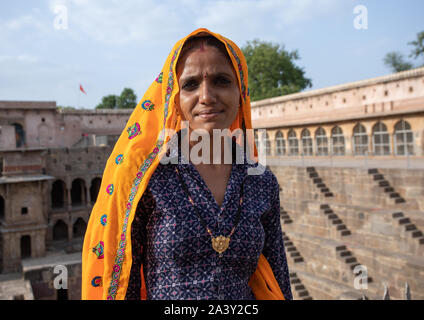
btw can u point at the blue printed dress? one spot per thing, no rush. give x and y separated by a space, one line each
175 249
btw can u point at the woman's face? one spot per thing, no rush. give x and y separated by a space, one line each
209 96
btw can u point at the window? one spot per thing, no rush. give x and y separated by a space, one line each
281 144
256 138
293 143
381 140
337 141
19 134
322 142
307 148
360 140
267 143
404 139
24 210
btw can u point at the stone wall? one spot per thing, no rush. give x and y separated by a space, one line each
353 221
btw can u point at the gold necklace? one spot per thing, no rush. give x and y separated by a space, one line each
221 242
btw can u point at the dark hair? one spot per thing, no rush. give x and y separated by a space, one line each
196 42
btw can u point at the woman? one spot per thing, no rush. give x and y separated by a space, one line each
186 229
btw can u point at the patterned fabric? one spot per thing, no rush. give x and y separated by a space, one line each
180 262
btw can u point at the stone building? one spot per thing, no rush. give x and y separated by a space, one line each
51 164
350 163
349 160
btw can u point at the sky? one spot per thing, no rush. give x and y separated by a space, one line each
49 47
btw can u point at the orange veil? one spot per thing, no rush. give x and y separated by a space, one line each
107 253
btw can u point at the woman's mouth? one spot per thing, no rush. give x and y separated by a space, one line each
209 114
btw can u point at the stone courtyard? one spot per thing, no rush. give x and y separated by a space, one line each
349 160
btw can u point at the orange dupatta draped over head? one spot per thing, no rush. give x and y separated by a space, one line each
107 252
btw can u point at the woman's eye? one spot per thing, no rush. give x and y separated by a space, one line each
189 85
222 81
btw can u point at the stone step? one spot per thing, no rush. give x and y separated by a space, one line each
378 176
328 211
410 227
332 216
310 169
397 214
421 240
290 249
337 221
321 185
404 221
350 260
417 233
288 243
389 189
294 254
341 227
317 180
329 194
325 190
400 200
297 260
340 248
345 253
313 175
303 293
394 195
288 221
353 265
299 287
324 206
345 233
292 275
372 171
384 183
295 281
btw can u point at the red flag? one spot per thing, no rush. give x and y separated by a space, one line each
82 89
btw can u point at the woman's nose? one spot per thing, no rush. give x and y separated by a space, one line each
207 92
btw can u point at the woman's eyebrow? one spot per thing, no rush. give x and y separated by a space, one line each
197 76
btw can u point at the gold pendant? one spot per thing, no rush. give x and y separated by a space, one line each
220 244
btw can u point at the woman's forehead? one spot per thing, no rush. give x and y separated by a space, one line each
206 58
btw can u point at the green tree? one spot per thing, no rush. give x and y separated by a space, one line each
419 46
272 71
396 62
127 99
108 102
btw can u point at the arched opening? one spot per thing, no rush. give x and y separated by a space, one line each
360 140
404 139
267 143
293 143
60 231
19 135
381 140
78 192
281 144
58 194
307 147
94 189
25 247
321 142
1 209
337 141
79 227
